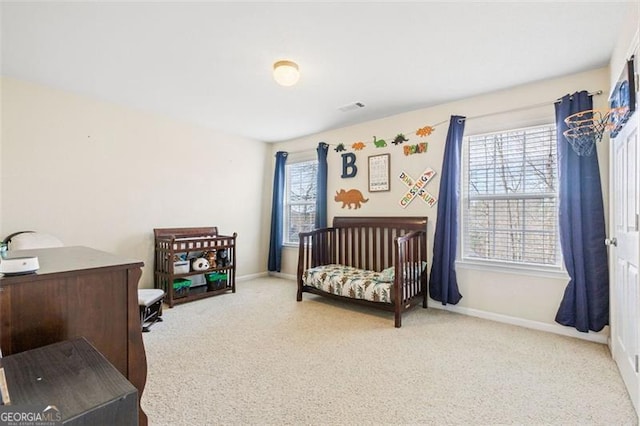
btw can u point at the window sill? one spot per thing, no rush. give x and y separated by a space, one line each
508 268
291 245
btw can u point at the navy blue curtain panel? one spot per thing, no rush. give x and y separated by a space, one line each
321 194
443 284
277 206
585 304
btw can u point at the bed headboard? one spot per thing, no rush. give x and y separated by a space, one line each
367 242
407 223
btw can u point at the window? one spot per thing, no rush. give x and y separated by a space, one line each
510 198
300 199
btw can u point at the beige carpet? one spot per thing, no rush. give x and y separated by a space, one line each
259 357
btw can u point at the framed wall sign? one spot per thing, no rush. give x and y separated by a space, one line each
623 99
379 169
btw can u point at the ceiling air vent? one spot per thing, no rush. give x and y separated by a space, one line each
351 107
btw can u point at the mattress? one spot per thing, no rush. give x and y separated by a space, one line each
350 282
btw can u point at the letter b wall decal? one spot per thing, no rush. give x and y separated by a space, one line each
349 168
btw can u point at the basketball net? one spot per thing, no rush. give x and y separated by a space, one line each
587 127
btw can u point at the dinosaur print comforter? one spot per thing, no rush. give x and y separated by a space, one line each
350 282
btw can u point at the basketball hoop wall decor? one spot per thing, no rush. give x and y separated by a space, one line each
585 128
623 98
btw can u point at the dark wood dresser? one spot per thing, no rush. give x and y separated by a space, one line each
77 292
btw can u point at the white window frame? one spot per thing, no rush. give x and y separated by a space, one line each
556 270
306 157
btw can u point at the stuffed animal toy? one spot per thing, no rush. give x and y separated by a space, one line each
222 259
210 256
200 264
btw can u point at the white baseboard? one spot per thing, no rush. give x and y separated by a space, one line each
251 276
281 275
598 337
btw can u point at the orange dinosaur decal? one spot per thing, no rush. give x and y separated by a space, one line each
350 197
358 146
425 131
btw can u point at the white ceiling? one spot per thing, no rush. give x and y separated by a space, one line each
210 62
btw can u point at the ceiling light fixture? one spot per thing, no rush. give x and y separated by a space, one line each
286 73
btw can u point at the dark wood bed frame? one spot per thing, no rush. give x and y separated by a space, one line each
372 243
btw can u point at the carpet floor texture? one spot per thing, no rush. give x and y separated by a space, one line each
260 357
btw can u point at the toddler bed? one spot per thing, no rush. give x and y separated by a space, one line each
374 261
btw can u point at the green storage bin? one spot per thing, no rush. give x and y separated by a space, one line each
216 281
214 276
181 287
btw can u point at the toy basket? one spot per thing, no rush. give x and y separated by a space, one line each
181 287
216 281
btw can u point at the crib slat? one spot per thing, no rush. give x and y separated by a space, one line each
374 251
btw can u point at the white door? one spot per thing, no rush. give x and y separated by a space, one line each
624 255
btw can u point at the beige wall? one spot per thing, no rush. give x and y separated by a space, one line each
104 176
533 298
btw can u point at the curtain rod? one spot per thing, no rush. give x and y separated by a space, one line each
596 93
